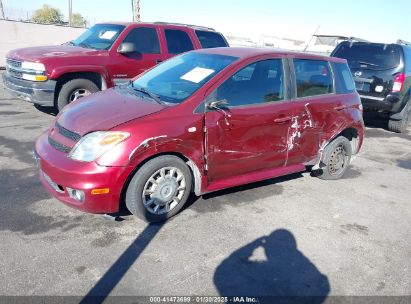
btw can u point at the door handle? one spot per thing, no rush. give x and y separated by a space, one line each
339 108
159 61
282 119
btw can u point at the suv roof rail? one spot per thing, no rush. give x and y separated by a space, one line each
356 39
400 41
183 24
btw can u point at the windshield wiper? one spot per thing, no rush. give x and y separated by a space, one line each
368 63
145 91
85 45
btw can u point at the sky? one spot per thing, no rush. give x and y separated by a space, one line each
374 20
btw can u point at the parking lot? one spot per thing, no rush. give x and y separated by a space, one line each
295 235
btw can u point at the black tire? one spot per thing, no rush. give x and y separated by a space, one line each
71 86
332 155
134 193
400 126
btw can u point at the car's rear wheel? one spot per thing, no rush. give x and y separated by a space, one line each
337 156
400 126
159 189
75 89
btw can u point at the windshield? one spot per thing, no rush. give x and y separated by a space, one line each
370 56
99 36
178 78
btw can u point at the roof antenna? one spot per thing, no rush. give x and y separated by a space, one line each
312 36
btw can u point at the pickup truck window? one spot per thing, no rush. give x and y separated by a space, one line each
99 36
178 41
178 78
145 39
210 39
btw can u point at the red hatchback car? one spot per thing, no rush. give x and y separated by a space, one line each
200 122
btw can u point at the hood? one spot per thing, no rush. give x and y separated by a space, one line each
39 53
105 110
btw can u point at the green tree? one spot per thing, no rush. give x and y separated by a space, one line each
78 20
47 14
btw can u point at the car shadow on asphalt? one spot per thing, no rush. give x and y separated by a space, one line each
375 120
238 195
273 269
118 269
47 110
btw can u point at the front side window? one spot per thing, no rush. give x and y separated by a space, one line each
99 36
178 41
178 78
258 83
313 77
145 40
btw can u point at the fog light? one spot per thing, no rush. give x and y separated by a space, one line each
75 194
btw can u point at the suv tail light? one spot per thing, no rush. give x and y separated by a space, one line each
398 83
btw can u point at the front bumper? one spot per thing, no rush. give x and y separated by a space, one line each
58 172
41 93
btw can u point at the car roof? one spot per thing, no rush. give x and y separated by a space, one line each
181 25
244 53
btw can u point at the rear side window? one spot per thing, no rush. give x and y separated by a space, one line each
343 78
313 77
210 39
369 56
178 41
145 40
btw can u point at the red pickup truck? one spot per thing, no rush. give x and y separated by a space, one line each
103 56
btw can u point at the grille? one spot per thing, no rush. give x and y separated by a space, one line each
14 63
15 73
67 133
59 146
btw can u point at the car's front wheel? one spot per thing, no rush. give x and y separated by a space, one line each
337 156
73 90
159 189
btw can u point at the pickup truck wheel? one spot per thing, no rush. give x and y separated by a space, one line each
73 90
159 189
400 126
337 156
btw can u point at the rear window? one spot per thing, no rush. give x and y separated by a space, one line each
343 78
313 77
369 56
210 39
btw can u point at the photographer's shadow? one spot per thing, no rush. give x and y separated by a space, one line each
271 266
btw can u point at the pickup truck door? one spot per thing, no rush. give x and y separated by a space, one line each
149 52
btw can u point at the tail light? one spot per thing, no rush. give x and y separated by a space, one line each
398 83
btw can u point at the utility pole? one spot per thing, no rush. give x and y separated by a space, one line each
1 10
70 12
135 6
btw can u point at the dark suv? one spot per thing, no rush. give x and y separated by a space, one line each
382 75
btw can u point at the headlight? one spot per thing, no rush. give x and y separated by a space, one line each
35 66
33 71
95 144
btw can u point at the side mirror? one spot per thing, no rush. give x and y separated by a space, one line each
217 104
126 48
